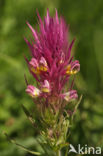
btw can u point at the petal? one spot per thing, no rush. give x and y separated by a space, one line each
69 50
34 62
69 96
33 91
75 66
45 87
56 16
48 17
34 32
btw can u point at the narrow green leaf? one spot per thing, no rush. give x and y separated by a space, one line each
29 116
21 146
64 145
76 106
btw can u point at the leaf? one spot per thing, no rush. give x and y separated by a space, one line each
21 146
29 116
64 145
76 107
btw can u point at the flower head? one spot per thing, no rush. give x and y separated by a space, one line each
52 63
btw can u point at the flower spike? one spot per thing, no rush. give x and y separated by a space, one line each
52 65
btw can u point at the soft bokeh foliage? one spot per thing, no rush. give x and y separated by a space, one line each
86 24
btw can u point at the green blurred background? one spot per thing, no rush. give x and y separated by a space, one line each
85 18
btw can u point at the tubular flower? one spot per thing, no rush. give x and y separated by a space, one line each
71 95
38 67
73 68
43 65
33 91
52 64
34 67
45 87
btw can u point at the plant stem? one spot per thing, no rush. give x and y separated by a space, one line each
59 153
66 153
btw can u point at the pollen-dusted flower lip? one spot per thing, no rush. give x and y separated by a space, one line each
51 63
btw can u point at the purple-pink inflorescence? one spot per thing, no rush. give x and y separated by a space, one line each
51 63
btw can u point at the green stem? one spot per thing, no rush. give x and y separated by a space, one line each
59 153
66 153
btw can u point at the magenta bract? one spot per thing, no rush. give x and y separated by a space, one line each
51 63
